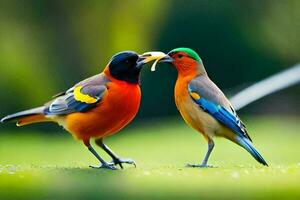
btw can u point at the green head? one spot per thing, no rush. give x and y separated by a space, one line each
190 52
186 61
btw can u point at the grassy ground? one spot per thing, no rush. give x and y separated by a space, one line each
54 166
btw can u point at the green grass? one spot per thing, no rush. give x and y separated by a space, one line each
54 166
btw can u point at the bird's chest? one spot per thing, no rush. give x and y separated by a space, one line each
123 99
117 108
192 113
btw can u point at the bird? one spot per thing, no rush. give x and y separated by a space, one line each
203 106
96 107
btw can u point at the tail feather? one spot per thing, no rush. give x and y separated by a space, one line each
247 144
26 117
31 119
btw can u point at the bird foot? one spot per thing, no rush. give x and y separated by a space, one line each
104 166
199 166
120 161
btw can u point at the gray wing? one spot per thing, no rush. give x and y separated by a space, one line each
208 90
84 96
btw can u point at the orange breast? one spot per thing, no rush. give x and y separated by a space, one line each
181 97
192 114
181 90
116 109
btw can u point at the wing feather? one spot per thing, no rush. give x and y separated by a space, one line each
212 100
80 98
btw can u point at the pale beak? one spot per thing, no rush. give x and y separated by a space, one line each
155 55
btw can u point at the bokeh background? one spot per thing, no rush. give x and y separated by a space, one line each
47 46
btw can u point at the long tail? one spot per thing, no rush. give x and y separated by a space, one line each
27 117
247 144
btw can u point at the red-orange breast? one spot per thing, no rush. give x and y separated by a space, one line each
118 107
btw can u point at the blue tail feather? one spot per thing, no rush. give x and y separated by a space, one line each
247 144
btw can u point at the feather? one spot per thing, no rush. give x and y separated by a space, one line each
212 100
26 113
247 144
80 98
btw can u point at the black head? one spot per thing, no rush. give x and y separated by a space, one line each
126 66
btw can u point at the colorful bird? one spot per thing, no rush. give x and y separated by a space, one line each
203 105
96 107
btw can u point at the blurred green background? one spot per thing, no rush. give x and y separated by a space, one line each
47 46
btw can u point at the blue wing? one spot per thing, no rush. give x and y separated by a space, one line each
225 117
221 114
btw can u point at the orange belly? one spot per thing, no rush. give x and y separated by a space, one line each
117 108
192 114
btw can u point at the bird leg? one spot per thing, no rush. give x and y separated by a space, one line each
205 160
115 159
104 164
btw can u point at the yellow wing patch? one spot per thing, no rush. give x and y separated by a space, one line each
85 98
195 95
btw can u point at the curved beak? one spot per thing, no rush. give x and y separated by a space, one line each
154 55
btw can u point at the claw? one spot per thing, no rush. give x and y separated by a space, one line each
104 166
120 161
199 166
120 164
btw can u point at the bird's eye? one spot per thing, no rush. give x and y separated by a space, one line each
179 56
127 61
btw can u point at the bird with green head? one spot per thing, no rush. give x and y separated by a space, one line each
203 105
